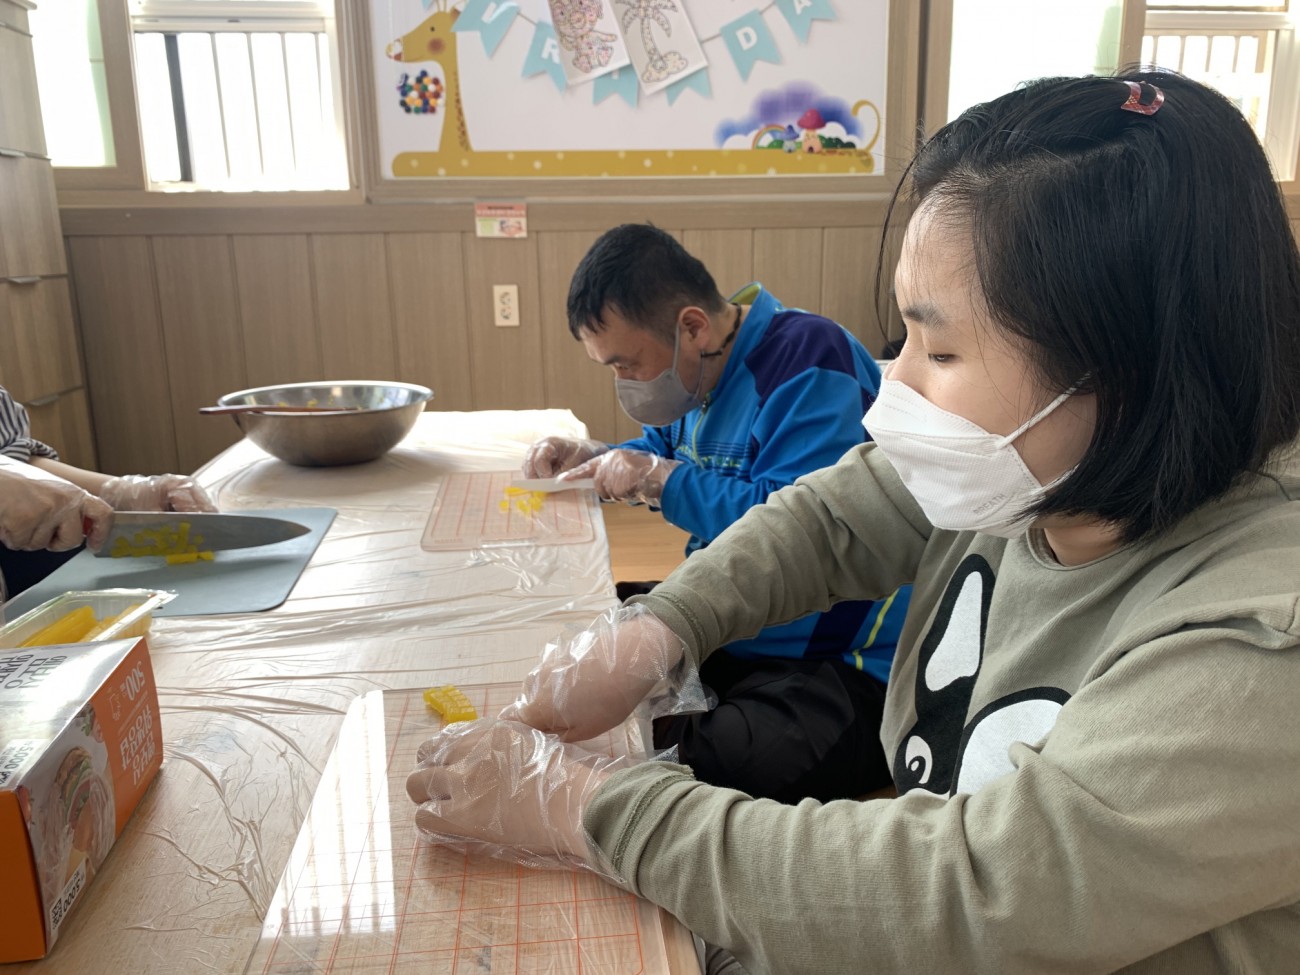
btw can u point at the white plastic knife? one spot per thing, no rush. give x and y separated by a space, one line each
552 485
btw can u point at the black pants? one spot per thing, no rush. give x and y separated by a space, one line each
22 570
784 729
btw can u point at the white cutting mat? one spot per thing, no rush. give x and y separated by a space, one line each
474 509
363 894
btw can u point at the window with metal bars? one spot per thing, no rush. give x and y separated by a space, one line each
239 94
1248 51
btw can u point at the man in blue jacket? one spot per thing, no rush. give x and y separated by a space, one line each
737 398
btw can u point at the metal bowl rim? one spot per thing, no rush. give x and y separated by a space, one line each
425 393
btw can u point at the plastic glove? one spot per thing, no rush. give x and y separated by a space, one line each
551 456
157 492
41 511
627 475
509 791
591 681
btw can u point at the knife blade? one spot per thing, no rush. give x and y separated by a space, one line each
159 533
552 485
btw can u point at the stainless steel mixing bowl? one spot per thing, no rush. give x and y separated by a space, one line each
377 415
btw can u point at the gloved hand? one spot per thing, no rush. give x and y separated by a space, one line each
157 492
41 511
553 455
627 475
587 683
507 790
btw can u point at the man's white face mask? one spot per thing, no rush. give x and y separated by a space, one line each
963 477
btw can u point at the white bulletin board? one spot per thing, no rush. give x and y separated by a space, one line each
651 88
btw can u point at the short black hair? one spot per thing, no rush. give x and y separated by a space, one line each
645 275
1149 256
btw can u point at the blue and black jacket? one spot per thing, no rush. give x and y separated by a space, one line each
790 401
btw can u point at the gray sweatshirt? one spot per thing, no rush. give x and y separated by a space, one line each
1099 765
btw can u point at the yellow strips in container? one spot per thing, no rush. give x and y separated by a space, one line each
526 502
175 545
76 626
108 623
451 703
71 627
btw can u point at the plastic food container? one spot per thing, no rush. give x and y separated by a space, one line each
104 603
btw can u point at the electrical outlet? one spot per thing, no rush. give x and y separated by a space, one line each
505 305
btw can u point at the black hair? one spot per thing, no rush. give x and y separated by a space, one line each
1149 256
643 274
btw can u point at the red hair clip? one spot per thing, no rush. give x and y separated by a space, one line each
1135 102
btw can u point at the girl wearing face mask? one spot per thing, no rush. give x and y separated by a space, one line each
1085 461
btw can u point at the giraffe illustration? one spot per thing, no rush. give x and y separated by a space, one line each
435 41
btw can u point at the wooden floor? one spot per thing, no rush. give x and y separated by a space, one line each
642 546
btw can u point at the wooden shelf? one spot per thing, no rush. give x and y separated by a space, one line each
642 545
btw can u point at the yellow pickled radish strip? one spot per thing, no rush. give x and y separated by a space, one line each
451 703
71 627
109 622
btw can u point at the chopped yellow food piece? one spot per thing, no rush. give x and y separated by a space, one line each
71 627
526 502
177 545
451 703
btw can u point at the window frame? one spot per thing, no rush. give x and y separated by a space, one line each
214 17
127 171
126 183
1286 70
937 47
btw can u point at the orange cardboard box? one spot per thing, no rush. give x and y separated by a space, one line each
80 741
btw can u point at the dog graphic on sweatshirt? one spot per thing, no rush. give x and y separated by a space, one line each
943 752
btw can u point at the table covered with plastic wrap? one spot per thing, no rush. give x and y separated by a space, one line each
252 703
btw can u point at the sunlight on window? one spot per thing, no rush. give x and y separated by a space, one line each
998 46
1251 56
256 108
157 124
70 75
267 52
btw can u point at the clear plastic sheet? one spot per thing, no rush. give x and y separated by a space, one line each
252 703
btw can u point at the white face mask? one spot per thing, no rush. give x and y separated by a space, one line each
963 477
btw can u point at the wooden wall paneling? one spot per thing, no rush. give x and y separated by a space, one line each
507 361
789 263
572 380
848 281
126 371
354 316
37 332
204 342
426 280
63 422
728 254
30 239
277 310
21 126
